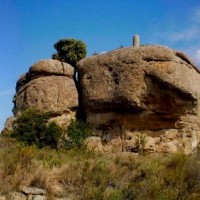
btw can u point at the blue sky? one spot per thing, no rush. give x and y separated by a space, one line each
29 28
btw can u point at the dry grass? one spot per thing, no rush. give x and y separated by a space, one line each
87 175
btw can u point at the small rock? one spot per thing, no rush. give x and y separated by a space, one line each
171 134
16 196
150 144
168 147
36 197
32 190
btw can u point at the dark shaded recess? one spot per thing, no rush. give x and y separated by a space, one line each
164 106
80 115
89 77
183 57
14 107
33 76
150 122
115 78
150 59
165 98
43 74
118 105
110 69
21 82
187 60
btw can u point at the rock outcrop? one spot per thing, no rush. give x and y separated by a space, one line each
8 126
148 97
48 86
138 98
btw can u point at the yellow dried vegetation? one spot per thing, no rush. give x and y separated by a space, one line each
87 175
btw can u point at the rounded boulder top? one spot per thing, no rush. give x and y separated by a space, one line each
145 53
51 67
124 79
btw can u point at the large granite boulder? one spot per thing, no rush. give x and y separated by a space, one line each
149 89
48 86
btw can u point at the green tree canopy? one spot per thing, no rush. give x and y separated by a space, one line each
70 51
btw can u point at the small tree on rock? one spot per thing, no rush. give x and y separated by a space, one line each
70 51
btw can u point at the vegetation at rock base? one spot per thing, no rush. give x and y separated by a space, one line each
70 51
77 132
32 128
88 175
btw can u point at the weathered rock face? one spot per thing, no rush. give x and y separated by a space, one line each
149 89
8 126
48 86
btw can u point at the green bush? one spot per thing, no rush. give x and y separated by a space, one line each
70 51
77 132
32 128
53 133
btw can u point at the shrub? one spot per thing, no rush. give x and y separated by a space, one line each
77 132
70 51
32 128
52 135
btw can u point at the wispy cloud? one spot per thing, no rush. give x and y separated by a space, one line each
190 31
187 34
197 56
7 92
196 15
184 37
